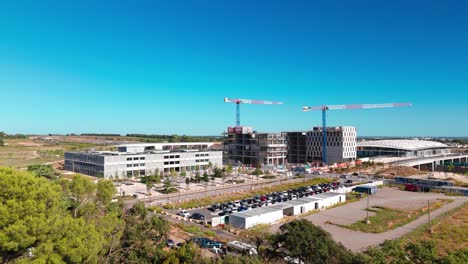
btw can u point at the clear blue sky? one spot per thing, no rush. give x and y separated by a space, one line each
165 66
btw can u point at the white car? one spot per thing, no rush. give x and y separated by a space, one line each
183 213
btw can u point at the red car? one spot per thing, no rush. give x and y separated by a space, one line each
412 188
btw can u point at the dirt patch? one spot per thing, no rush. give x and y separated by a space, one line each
392 172
28 144
447 176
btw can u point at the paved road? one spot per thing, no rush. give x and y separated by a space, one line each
350 213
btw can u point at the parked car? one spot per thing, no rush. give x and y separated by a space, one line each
170 243
183 213
198 216
349 181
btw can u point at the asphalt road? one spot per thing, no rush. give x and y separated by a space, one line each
387 197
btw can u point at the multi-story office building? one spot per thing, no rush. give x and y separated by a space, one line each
341 144
308 147
143 159
248 147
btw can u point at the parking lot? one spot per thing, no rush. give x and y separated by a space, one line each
262 200
386 197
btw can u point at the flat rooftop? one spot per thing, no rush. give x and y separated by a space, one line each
166 144
117 153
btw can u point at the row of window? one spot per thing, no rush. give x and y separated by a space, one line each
202 155
135 165
172 157
202 160
171 162
136 158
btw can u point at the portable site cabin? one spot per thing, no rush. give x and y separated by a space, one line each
366 189
330 198
300 206
262 215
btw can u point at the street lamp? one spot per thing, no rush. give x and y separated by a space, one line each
367 217
204 208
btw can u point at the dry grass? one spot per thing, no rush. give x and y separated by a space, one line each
20 153
387 218
450 231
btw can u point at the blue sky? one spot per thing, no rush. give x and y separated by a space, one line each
164 67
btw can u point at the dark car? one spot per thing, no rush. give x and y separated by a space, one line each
179 245
198 216
349 181
170 243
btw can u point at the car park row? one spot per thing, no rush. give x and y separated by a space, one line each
273 198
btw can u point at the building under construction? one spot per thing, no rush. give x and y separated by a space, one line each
297 147
248 147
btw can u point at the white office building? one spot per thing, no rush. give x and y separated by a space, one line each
143 159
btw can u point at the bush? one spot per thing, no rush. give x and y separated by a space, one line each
43 171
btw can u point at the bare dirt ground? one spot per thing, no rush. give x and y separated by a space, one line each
444 176
99 140
391 172
386 197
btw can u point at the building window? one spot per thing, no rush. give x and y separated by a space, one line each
129 165
136 158
129 158
135 165
142 164
166 163
142 158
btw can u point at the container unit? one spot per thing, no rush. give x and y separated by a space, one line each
248 219
301 206
366 189
330 198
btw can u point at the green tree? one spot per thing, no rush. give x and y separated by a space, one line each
143 239
80 192
149 185
197 176
450 167
229 169
36 226
27 201
205 177
105 192
311 244
187 253
43 171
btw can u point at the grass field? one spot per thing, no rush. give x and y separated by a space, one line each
449 231
19 153
387 218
